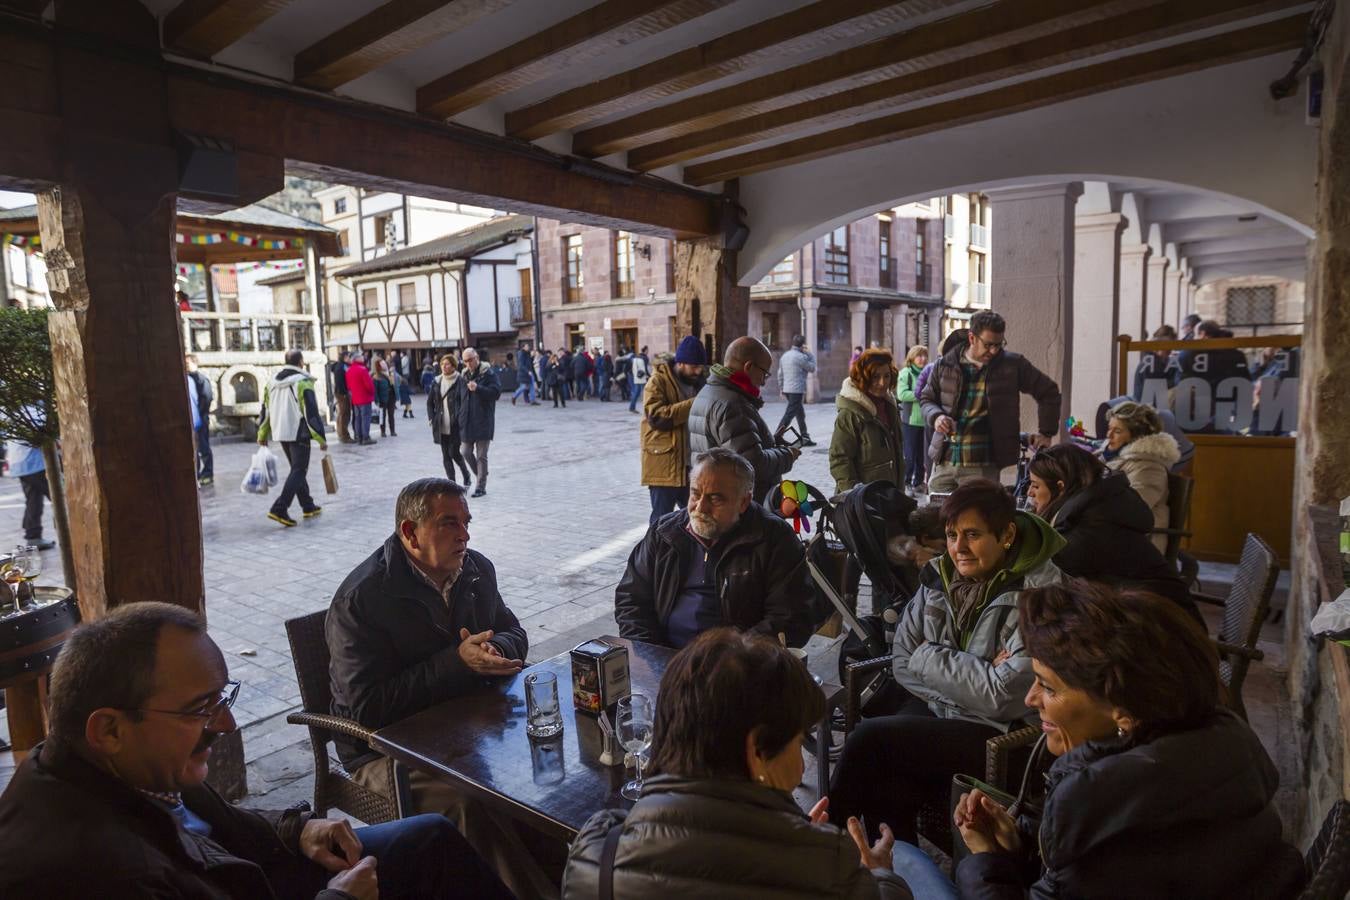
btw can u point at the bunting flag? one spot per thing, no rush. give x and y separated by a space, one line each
22 240
289 266
246 240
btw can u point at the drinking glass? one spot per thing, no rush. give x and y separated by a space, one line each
635 734
543 717
29 559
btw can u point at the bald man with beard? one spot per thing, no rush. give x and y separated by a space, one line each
726 414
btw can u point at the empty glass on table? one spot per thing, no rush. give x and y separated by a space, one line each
634 723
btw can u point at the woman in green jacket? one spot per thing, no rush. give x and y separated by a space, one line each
911 418
866 446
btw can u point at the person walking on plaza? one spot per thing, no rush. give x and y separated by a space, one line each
428 376
524 378
476 406
404 395
971 399
291 415
866 445
641 371
581 365
202 421
911 418
342 398
604 371
565 376
664 432
793 368
27 464
361 389
385 397
443 415
726 414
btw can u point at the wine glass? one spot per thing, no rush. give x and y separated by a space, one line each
634 723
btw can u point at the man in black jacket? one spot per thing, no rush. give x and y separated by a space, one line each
724 560
418 622
342 398
205 396
118 790
476 409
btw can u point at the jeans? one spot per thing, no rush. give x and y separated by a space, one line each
476 455
558 396
525 388
666 499
296 485
891 765
794 409
914 453
344 417
387 418
361 421
945 477
450 456
34 492
421 856
638 390
922 875
205 461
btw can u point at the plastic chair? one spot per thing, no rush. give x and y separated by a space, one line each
333 787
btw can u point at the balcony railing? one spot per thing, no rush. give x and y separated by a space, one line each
571 293
206 332
923 279
979 235
949 226
979 294
522 312
888 272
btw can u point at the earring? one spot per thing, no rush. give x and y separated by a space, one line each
1120 732
760 778
1007 546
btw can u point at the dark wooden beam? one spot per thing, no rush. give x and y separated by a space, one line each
383 34
1234 46
936 42
206 27
1072 44
610 24
33 8
721 56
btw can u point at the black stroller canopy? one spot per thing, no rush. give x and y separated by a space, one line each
866 518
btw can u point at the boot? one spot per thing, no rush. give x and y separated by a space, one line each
465 470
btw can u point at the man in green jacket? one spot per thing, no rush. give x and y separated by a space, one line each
291 414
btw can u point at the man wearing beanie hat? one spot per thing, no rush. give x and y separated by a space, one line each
664 433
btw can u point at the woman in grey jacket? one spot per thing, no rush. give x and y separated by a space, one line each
716 818
959 658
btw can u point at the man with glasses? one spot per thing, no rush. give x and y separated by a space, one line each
972 402
115 803
723 560
726 414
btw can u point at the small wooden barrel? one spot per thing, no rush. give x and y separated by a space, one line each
31 638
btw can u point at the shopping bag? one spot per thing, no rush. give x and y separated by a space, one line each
255 479
329 475
269 463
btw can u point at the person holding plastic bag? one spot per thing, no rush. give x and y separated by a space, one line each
290 413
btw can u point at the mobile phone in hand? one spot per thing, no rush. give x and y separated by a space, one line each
788 437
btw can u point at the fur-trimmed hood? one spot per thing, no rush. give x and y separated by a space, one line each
849 393
1161 448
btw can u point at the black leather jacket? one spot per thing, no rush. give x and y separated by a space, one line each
394 645
761 576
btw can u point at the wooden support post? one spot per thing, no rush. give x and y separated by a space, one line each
708 302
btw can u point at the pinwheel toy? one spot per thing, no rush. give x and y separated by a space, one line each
796 505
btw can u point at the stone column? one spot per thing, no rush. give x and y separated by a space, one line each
1172 298
708 301
1153 296
857 316
1096 282
1033 258
900 332
1133 281
810 307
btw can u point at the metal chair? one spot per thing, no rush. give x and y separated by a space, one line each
333 787
1328 859
1244 609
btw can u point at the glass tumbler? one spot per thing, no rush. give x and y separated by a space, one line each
543 717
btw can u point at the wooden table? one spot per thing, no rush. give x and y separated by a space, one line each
478 742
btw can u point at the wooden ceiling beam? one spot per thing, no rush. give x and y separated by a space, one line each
721 56
384 34
1070 45
935 42
205 27
610 24
1260 40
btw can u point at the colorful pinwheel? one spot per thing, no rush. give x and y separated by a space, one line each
796 505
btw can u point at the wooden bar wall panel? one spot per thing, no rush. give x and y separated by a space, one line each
943 41
1070 45
1247 43
724 55
1221 516
206 27
612 23
384 34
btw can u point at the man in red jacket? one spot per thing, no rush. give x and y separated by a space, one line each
362 389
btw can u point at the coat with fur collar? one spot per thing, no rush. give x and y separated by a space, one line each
1146 461
866 445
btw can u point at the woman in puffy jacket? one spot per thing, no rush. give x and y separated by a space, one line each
1157 791
716 819
1137 445
867 445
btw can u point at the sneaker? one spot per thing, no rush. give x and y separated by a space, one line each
370 442
311 513
206 482
40 543
478 492
807 442
284 520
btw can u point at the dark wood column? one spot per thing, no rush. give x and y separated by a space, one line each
708 302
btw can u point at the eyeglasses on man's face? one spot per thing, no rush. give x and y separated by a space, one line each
207 712
995 346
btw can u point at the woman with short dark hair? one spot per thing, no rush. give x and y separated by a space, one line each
1157 791
959 659
1105 522
716 818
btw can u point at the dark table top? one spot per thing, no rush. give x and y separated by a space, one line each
478 741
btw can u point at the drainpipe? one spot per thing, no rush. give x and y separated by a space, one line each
534 282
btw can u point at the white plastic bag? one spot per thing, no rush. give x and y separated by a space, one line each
269 460
256 480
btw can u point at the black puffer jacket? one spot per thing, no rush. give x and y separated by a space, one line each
715 839
1107 526
723 415
1187 815
394 644
761 576
477 409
